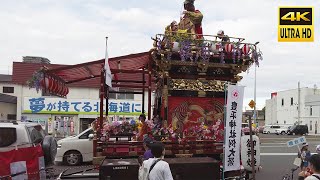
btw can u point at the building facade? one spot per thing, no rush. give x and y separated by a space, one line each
73 114
284 107
250 114
8 101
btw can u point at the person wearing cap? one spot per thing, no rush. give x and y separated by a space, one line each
155 168
195 17
224 38
147 143
305 154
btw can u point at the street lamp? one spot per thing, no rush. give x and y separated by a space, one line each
255 87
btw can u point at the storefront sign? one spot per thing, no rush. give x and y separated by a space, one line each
79 106
233 128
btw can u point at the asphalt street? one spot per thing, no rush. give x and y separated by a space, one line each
276 158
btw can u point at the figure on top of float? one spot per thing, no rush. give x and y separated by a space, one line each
194 16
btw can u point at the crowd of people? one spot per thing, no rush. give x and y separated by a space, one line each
310 164
152 166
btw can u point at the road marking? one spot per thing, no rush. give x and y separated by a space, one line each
274 143
86 174
273 146
280 154
276 138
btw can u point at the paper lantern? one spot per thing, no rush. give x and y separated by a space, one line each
51 84
175 47
67 91
64 91
55 86
228 48
246 49
45 83
60 91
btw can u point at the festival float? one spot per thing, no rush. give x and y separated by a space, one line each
188 72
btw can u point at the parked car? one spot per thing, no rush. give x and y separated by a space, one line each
74 150
282 130
270 129
298 130
25 134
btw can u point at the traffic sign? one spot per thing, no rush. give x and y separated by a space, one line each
252 104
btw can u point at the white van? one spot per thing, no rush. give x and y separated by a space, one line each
274 129
76 149
270 129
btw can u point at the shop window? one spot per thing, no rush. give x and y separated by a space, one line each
12 117
310 110
112 95
310 125
6 89
282 102
125 96
291 101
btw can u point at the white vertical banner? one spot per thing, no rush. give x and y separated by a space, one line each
107 67
233 128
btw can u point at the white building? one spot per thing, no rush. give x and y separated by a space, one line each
283 108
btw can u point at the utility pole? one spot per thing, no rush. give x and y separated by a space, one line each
299 91
255 88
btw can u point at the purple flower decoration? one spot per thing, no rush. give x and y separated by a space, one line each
234 51
185 50
35 81
222 58
205 53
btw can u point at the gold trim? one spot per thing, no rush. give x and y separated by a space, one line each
197 85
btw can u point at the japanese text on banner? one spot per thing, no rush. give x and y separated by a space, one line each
233 128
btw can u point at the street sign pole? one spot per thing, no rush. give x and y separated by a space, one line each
252 149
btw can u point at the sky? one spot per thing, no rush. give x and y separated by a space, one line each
74 31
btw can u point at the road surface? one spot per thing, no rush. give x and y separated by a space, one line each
276 158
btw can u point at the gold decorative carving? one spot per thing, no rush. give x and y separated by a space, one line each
218 71
202 68
184 69
164 65
197 85
201 94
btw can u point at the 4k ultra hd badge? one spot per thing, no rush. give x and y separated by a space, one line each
296 24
